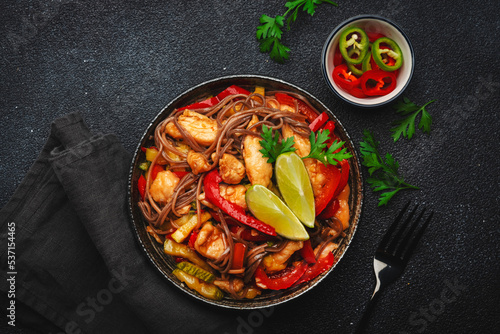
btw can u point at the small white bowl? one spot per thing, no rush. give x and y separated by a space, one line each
371 24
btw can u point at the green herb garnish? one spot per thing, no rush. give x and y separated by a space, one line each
406 126
270 32
332 155
271 147
384 174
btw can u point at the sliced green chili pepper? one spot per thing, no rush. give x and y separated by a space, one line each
353 41
366 64
381 55
355 69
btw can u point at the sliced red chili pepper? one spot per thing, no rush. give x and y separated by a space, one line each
232 90
344 78
357 92
307 252
322 265
143 149
378 82
238 255
303 108
325 195
141 186
373 36
212 193
283 279
319 121
337 57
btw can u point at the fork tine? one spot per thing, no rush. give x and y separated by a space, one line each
387 237
397 236
413 243
408 232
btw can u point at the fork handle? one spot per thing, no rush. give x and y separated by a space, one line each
366 313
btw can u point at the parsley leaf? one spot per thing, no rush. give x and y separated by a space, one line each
270 31
332 155
271 147
384 174
406 126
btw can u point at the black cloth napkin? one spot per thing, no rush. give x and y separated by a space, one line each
78 264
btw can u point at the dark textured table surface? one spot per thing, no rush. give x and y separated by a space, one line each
120 62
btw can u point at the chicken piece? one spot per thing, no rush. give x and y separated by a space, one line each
210 242
231 170
330 247
224 285
163 186
278 261
234 194
198 162
302 144
202 128
259 171
342 213
203 200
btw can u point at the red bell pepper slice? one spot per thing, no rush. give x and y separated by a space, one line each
154 172
210 102
357 92
282 279
248 234
378 82
304 109
307 252
232 90
192 238
181 174
330 209
212 193
344 78
324 196
322 265
141 186
319 121
344 177
238 255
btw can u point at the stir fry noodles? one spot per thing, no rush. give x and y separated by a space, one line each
248 191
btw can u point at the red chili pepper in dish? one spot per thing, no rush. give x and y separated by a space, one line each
239 255
330 209
373 36
344 78
154 172
248 234
307 252
332 176
210 102
378 82
282 279
319 121
304 109
192 238
337 57
322 265
141 186
181 174
212 193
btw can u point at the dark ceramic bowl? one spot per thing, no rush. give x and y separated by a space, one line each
166 264
371 24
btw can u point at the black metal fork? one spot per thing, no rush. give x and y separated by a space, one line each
393 253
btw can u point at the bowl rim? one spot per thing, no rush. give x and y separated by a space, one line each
248 305
331 36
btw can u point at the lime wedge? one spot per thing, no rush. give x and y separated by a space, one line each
295 187
267 207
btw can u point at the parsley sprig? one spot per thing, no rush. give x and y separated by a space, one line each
406 126
272 147
332 155
384 175
270 32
